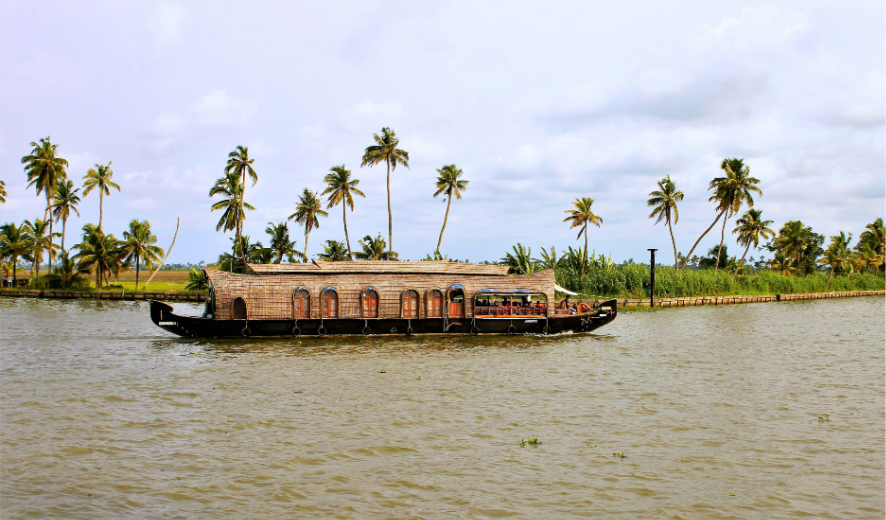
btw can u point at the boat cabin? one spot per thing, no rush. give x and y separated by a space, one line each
372 290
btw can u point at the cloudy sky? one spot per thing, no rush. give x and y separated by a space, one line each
537 105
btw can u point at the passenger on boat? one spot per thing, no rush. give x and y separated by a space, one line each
573 309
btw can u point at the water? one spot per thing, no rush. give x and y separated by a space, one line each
716 410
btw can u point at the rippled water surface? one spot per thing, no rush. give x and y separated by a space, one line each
716 410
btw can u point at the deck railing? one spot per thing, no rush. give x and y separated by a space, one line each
507 310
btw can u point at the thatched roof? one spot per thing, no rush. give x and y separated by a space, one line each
381 267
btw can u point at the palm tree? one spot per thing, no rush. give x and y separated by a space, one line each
230 188
730 193
581 216
520 261
2 192
37 235
69 272
385 150
838 255
874 236
280 245
240 165
99 252
664 203
341 190
751 228
45 171
782 263
100 177
548 260
138 246
374 249
794 238
307 211
334 251
14 244
65 200
450 183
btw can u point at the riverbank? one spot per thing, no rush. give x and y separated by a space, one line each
736 299
199 296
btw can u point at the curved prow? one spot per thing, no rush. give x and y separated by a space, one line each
160 312
608 308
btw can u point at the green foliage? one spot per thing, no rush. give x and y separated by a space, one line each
197 280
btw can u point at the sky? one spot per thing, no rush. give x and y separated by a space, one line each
537 103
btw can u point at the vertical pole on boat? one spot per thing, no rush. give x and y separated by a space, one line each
652 278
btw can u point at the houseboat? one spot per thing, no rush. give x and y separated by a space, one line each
381 298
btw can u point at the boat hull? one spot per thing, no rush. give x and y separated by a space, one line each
197 327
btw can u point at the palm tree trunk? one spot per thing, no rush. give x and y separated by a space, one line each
671 229
136 270
240 222
64 228
683 265
390 215
584 261
722 238
14 273
445 219
741 262
344 217
101 207
830 277
51 242
307 236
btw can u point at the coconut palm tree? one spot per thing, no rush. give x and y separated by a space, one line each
341 190
2 192
874 237
664 203
280 245
751 228
45 171
138 246
794 238
14 244
240 164
334 251
449 183
385 151
100 177
38 235
65 200
307 212
520 261
838 255
581 216
374 249
730 193
782 263
99 252
234 207
68 271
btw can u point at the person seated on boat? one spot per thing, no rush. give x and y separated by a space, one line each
538 305
565 303
573 309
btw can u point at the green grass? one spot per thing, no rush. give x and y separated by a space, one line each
632 281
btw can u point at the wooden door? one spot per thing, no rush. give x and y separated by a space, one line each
456 310
370 305
435 305
329 306
410 305
300 305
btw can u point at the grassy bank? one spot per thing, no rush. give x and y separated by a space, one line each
632 281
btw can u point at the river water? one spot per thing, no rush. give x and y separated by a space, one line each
715 409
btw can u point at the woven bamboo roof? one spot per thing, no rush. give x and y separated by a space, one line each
381 267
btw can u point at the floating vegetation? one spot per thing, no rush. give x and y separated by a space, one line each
419 377
824 418
382 371
532 441
619 454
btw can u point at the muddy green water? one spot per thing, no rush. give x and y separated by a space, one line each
716 410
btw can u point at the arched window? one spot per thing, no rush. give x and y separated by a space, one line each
369 301
238 309
301 304
435 304
329 303
456 302
410 304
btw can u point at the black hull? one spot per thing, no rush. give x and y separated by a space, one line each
197 327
